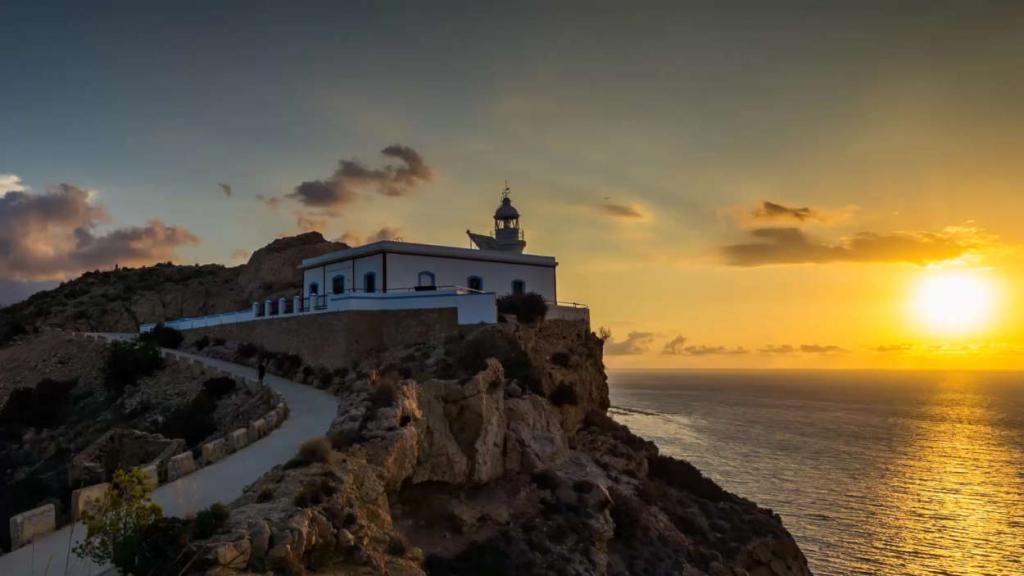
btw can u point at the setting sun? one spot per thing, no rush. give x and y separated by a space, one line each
954 302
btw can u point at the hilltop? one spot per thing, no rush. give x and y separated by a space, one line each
121 299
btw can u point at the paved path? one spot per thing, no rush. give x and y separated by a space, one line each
310 414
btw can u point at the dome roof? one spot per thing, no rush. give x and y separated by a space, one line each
506 211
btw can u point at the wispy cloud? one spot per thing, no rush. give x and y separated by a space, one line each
225 188
792 246
678 347
628 211
383 233
635 343
790 350
772 211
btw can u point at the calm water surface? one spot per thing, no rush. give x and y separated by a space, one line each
874 473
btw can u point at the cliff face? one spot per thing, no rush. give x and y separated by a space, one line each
120 300
492 453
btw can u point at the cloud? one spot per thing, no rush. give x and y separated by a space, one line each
621 210
792 246
677 347
54 235
773 211
309 222
635 343
352 178
384 233
892 348
10 183
789 350
225 188
271 202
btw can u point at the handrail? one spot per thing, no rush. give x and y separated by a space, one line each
568 304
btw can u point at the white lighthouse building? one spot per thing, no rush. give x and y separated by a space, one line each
394 275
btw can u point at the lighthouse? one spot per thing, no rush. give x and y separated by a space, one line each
507 237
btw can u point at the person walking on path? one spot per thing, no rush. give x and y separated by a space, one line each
261 371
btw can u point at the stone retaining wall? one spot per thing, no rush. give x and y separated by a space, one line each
38 522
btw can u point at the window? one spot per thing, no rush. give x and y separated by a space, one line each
314 288
369 282
425 280
518 287
475 283
338 284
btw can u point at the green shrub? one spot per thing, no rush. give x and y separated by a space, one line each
266 494
163 337
210 521
527 308
127 362
161 548
114 527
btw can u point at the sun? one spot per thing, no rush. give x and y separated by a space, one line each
954 302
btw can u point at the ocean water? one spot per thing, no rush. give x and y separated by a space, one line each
880 473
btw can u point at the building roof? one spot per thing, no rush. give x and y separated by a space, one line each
506 211
393 247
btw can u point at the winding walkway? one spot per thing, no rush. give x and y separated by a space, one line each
310 414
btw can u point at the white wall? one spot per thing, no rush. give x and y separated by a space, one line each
404 269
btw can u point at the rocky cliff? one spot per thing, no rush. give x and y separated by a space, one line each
492 453
119 300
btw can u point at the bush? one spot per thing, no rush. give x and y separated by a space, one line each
560 359
311 451
45 406
161 548
163 337
127 362
210 521
219 386
527 308
116 524
265 495
194 421
474 352
247 350
202 343
314 492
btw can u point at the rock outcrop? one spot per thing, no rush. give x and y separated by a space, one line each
511 468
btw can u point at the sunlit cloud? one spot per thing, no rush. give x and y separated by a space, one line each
793 246
790 350
11 183
635 343
383 233
678 347
54 235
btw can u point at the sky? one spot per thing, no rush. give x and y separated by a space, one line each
725 184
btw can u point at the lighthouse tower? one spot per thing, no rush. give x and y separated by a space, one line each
508 237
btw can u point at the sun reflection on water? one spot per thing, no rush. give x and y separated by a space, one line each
954 498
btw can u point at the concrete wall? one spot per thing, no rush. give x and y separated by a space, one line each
334 340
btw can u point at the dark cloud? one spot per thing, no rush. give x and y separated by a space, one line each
225 188
773 211
792 246
620 210
53 236
384 233
678 347
352 178
635 343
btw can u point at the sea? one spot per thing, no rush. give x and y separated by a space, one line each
874 473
